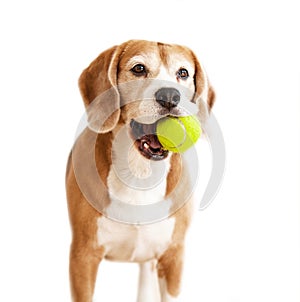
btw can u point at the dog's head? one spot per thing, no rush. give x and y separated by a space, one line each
139 82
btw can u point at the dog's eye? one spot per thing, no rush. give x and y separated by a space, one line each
139 70
182 73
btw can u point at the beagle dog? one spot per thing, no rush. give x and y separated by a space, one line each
113 163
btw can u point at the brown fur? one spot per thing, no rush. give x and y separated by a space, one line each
84 255
174 174
104 73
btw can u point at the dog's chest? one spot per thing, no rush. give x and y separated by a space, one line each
132 178
136 181
124 242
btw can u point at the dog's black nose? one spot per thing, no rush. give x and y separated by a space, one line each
167 97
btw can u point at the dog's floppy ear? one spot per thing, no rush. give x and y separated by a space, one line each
98 87
204 95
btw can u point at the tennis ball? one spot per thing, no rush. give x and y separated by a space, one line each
177 134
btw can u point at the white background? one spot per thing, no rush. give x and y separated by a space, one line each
245 246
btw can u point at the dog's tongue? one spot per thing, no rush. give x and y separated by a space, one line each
153 141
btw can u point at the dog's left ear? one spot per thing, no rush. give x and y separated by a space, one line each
98 87
204 95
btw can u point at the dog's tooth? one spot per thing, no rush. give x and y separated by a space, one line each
145 145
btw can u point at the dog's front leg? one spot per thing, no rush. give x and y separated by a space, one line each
169 272
84 262
148 290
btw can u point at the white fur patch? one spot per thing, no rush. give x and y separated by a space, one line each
134 179
148 290
124 242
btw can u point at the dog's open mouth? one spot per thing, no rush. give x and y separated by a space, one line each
146 140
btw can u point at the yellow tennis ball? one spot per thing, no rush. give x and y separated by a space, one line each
177 134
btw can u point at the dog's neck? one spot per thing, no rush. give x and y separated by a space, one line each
133 178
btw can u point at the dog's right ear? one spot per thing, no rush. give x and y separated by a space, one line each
98 87
204 95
